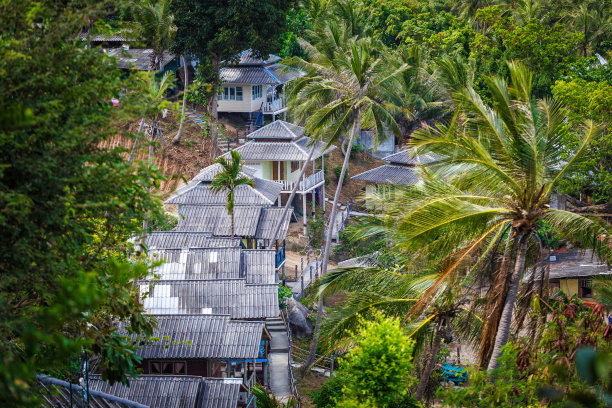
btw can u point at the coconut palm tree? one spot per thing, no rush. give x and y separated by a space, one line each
228 179
177 138
342 93
498 167
153 22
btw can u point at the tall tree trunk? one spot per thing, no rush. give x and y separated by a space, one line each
506 317
494 306
145 223
325 258
232 214
212 110
430 363
135 145
293 191
177 138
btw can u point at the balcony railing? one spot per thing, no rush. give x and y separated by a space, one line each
312 180
276 104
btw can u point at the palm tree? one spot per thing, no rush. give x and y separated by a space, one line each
346 91
153 97
154 22
265 400
228 179
499 164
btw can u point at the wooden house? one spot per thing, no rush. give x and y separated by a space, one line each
572 271
254 87
277 152
208 346
175 391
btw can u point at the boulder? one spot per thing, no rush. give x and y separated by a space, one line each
298 319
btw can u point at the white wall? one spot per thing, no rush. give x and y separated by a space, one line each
237 106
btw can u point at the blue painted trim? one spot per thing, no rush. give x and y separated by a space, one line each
271 75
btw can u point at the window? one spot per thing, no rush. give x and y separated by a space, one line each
295 166
230 93
167 367
257 91
585 289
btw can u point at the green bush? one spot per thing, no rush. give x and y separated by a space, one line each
338 171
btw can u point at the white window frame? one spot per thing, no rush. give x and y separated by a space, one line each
257 92
230 93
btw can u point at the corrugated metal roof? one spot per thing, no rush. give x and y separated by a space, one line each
181 239
268 219
135 58
279 129
203 336
201 263
221 392
256 265
102 38
216 220
286 151
407 157
259 265
60 394
574 263
156 391
389 174
231 296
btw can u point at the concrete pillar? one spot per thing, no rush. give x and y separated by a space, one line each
304 211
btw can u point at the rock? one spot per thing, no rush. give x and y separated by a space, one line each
298 319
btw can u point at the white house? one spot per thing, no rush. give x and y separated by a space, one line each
251 85
278 152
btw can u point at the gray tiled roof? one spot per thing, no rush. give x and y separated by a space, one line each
203 336
208 173
137 58
284 73
231 296
279 129
256 265
181 239
284 151
408 158
221 392
216 220
265 193
60 394
247 75
102 38
389 174
267 223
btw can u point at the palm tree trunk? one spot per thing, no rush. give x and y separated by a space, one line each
212 110
293 191
232 215
177 138
325 258
135 146
503 329
430 363
145 223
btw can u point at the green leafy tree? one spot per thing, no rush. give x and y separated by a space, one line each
592 176
213 31
376 372
68 205
228 179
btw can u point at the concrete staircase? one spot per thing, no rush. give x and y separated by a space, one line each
279 358
197 118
